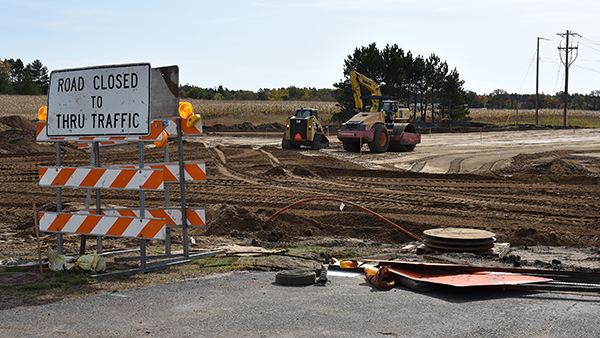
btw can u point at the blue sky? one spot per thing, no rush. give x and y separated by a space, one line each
272 44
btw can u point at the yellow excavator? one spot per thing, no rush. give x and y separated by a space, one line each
383 125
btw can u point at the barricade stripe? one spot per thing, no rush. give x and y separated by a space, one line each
78 175
39 128
134 229
196 173
159 213
193 218
155 131
171 128
128 213
63 176
172 215
60 221
102 225
190 130
168 173
119 226
43 171
88 224
123 179
151 229
154 181
109 177
92 177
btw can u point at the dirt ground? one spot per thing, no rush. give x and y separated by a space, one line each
544 203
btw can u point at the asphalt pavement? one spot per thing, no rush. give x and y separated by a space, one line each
249 304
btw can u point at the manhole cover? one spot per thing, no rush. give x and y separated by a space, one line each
17 278
460 233
460 239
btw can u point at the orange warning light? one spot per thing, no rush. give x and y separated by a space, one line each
42 113
163 142
185 110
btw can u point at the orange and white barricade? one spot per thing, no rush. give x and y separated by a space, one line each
102 178
103 225
193 172
196 217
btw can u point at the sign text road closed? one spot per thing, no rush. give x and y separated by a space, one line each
107 100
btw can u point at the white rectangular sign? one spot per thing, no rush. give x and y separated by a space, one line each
98 101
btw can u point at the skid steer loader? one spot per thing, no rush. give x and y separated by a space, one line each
304 129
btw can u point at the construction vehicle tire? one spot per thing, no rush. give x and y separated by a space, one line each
381 139
351 146
315 144
286 144
324 141
399 128
395 146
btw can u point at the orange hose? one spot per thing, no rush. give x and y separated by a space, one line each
349 203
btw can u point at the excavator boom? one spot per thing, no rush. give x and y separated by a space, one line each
358 79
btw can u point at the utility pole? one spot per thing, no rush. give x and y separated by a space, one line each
567 63
537 79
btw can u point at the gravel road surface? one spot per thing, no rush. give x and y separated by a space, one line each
249 304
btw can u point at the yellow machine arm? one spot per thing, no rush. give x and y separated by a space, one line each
358 79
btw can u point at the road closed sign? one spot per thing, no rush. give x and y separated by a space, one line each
100 101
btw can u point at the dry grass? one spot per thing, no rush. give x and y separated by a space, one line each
212 112
548 117
259 112
24 105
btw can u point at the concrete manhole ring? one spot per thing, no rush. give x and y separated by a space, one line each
18 278
460 233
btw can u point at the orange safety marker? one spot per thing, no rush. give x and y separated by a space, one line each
103 225
102 178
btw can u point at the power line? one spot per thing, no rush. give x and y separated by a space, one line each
591 70
596 49
557 77
590 41
528 69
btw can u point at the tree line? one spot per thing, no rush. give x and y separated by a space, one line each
291 93
500 99
16 78
426 85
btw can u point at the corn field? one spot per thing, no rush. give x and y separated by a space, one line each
259 112
25 105
546 117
